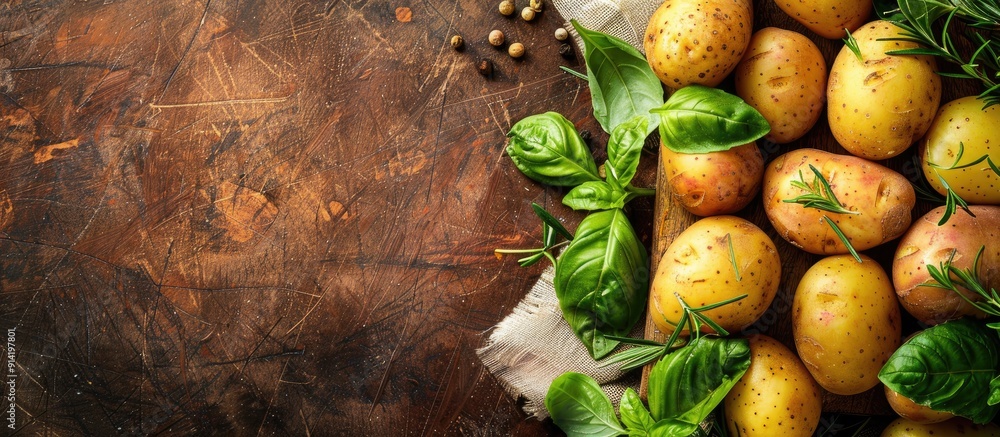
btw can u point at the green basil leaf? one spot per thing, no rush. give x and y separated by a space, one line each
602 280
634 414
594 196
687 384
673 428
578 406
699 119
547 148
949 367
622 85
625 148
994 391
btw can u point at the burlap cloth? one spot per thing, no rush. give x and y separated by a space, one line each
534 345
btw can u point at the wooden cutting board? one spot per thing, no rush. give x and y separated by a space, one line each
670 218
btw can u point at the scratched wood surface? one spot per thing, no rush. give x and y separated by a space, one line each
266 217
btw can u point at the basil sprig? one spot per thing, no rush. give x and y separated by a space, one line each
547 148
950 367
700 119
684 388
622 85
624 149
602 280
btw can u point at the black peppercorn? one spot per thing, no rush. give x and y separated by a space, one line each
566 51
485 67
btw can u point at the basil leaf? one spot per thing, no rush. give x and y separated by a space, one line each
622 85
602 280
687 384
994 391
634 414
949 367
699 119
594 196
673 428
547 148
624 149
578 406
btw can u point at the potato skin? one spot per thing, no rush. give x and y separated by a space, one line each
927 243
828 18
882 197
964 121
846 322
697 41
697 266
913 411
879 107
955 427
783 76
776 395
714 183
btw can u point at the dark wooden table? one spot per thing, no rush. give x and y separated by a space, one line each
266 217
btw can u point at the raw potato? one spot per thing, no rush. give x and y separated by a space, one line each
879 107
927 243
955 427
964 122
697 266
846 322
714 183
913 411
697 41
881 197
828 18
776 396
783 76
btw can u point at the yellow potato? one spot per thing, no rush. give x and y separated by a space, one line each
783 76
954 427
963 124
906 408
879 106
828 18
697 41
776 395
880 198
698 267
714 183
927 243
846 322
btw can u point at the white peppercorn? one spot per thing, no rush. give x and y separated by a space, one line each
527 14
561 34
496 38
507 7
516 50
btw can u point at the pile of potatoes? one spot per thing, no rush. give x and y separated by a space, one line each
847 316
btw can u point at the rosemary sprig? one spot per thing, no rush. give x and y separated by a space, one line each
952 200
732 258
945 275
852 44
819 195
917 18
551 230
645 351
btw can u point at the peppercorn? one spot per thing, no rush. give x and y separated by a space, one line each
507 8
566 51
496 38
527 14
561 34
485 67
516 50
457 42
536 5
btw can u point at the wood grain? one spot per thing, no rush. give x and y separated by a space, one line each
266 217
